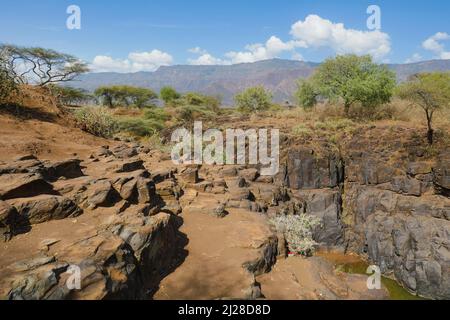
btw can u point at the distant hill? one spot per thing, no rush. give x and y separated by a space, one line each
277 75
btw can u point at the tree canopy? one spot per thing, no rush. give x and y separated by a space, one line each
351 79
253 100
69 95
34 65
114 96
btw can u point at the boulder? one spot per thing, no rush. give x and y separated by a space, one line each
8 220
249 174
130 165
146 190
209 206
189 175
416 168
406 185
124 151
152 240
442 174
27 165
326 205
137 188
44 208
69 169
23 185
101 194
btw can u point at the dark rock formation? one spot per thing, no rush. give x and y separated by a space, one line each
306 170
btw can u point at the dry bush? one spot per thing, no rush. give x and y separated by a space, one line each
298 232
98 121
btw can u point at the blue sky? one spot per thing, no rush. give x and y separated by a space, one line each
137 35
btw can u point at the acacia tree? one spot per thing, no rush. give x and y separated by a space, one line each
350 78
253 100
139 97
69 95
41 66
126 96
429 91
106 95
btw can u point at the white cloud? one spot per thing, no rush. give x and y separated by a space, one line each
136 61
414 58
207 60
204 58
313 32
317 32
257 52
434 45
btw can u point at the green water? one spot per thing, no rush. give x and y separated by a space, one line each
396 291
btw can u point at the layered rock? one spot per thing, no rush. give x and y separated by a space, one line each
122 250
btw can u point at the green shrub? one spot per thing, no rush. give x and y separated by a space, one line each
306 94
140 127
157 114
253 100
98 121
298 232
169 94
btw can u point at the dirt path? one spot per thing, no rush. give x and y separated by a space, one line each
217 250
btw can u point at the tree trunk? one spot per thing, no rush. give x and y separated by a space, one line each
430 133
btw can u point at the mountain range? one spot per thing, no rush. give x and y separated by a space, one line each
277 75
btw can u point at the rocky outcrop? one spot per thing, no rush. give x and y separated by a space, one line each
23 185
403 235
442 174
307 170
126 249
121 262
327 205
43 208
396 212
